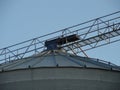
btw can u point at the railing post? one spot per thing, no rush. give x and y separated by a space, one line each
5 55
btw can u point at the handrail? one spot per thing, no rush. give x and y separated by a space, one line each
83 30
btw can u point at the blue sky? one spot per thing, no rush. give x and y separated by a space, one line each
21 20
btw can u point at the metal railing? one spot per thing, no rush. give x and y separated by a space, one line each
93 33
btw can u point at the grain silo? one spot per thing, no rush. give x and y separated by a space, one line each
54 68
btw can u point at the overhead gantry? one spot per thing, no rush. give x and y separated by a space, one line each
75 39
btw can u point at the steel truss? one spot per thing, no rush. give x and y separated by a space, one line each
94 33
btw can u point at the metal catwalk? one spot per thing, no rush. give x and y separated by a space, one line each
91 34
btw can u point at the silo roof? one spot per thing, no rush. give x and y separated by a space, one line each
57 58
